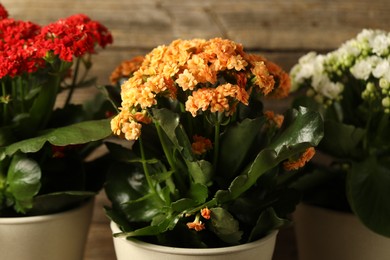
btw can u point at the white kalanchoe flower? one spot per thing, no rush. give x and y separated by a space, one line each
308 65
380 43
362 69
381 69
362 63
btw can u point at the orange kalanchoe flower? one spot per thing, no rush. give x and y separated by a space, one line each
219 99
262 77
306 156
207 76
283 79
275 118
206 213
197 225
278 75
201 145
142 117
126 69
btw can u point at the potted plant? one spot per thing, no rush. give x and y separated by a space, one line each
207 164
44 141
350 87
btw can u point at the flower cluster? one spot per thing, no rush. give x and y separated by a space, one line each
363 61
72 37
37 63
26 46
350 86
195 68
125 70
203 147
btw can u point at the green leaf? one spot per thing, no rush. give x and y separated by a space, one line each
170 123
143 209
304 131
23 179
232 140
341 139
306 126
225 226
267 221
42 107
58 201
129 192
74 134
148 230
125 182
368 191
201 171
198 192
265 160
183 204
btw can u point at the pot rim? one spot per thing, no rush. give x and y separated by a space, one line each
194 251
42 218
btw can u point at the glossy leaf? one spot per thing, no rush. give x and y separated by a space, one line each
128 190
368 185
305 127
305 131
74 134
341 139
23 180
198 192
58 201
232 140
201 171
225 226
268 220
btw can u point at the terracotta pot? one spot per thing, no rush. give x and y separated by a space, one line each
130 249
60 236
324 234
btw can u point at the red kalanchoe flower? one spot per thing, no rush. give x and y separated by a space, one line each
73 37
18 53
3 12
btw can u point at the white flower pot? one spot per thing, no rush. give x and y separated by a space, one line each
60 236
126 249
324 234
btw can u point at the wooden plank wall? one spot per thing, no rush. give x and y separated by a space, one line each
281 30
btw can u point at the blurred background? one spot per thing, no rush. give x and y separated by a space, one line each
280 30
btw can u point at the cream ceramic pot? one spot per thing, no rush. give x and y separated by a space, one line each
60 236
134 249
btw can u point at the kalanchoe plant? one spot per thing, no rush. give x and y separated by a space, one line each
43 143
206 168
350 86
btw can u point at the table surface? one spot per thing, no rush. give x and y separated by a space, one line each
280 30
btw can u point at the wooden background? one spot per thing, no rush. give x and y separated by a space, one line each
281 30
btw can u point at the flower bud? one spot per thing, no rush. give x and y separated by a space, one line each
386 102
384 83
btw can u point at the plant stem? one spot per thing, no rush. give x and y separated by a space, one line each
146 170
367 128
216 144
5 105
209 204
22 93
74 83
170 159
